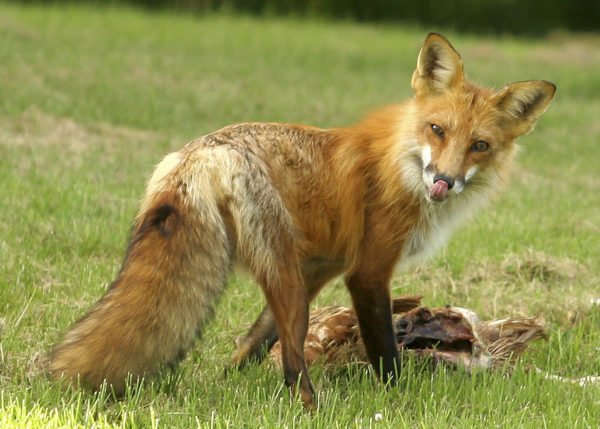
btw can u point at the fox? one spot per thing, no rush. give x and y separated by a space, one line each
298 206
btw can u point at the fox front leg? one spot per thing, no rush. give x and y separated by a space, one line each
372 303
369 286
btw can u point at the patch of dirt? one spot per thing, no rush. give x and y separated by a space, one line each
484 51
35 128
529 267
558 49
556 289
579 50
10 28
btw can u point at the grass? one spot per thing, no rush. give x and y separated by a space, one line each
92 98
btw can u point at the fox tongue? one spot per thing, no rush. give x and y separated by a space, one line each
438 190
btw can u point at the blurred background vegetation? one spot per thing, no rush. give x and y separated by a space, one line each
530 17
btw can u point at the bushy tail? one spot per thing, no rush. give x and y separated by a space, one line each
176 266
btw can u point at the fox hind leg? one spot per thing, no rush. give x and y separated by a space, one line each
266 245
289 309
254 346
262 336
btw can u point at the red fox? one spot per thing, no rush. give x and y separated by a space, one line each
299 206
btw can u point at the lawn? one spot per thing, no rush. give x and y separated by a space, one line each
92 98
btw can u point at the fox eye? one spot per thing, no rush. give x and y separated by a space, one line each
480 146
437 130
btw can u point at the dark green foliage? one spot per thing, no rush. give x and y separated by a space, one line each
534 17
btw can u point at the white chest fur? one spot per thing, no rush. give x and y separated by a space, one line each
434 227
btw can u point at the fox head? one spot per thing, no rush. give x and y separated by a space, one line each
465 131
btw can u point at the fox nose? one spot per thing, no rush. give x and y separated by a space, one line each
449 180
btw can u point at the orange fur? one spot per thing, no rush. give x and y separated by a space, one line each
298 206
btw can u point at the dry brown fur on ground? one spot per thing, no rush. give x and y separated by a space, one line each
450 335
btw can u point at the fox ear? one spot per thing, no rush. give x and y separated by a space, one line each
522 103
439 66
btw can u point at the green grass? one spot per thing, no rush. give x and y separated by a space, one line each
91 99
